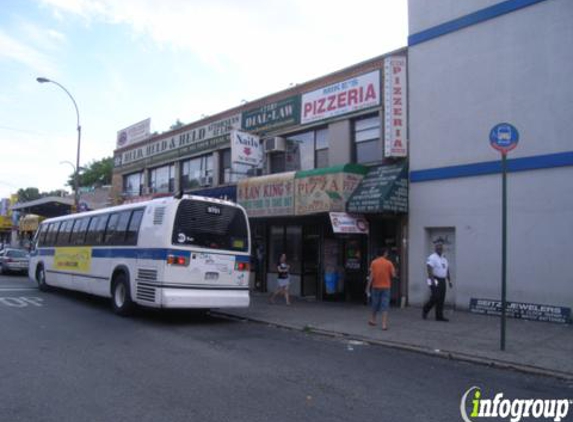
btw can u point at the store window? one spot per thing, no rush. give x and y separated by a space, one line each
162 179
303 151
232 172
132 184
285 239
367 143
197 172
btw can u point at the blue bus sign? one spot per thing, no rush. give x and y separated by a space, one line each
504 137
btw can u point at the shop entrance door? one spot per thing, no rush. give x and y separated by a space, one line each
310 263
355 269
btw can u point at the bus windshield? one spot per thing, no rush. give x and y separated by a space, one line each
209 225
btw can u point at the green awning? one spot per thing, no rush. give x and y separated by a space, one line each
383 189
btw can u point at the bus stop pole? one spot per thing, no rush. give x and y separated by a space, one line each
503 245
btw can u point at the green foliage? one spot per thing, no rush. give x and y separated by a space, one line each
176 125
28 194
31 194
97 173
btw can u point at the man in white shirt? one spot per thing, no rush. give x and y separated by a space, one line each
438 273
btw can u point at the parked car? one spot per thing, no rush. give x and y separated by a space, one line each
14 260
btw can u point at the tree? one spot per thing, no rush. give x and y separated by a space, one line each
28 194
176 125
97 173
31 194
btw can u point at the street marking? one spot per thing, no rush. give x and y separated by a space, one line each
16 289
21 302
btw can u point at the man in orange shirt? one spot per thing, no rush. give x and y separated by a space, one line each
378 288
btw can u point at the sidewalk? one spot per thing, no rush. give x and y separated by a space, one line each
535 347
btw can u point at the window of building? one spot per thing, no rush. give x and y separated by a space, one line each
197 172
132 184
285 239
303 151
367 142
231 172
162 179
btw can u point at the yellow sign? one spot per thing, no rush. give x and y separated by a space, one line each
73 259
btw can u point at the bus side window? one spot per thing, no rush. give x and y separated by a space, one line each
52 233
118 236
78 236
43 233
63 237
96 230
110 228
133 228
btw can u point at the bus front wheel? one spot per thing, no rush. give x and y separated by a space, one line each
121 296
41 279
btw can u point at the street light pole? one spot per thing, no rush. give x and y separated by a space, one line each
77 167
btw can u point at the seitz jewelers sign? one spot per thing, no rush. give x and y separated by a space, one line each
342 97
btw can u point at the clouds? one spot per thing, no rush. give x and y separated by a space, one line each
295 39
12 49
128 60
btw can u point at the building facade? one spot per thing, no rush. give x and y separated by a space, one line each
320 168
472 65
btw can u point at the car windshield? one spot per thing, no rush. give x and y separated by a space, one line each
16 254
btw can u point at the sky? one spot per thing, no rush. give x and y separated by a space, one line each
124 61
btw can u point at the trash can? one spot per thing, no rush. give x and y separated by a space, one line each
331 283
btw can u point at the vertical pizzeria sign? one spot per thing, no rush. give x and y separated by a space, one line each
395 108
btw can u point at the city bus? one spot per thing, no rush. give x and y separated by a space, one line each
175 252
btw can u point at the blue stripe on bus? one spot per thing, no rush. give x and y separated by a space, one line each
159 254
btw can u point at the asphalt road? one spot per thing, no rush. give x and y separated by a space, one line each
66 357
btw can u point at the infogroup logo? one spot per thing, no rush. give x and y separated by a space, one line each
513 409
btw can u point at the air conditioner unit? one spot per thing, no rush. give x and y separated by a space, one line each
206 181
276 144
254 172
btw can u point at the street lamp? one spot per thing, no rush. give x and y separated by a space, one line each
77 166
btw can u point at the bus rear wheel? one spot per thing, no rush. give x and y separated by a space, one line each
121 296
41 279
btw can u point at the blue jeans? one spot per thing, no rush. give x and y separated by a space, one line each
380 300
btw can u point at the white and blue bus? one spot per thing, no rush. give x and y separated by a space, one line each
176 252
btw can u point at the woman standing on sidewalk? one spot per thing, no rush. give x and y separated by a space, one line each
283 280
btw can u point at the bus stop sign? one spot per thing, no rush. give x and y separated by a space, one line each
504 137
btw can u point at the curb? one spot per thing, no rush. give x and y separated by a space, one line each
443 354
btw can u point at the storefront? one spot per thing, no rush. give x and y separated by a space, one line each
303 214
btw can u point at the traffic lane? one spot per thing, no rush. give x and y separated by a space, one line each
17 291
72 359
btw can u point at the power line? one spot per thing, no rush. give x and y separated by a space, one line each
23 130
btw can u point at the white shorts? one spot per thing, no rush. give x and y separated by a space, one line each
283 282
